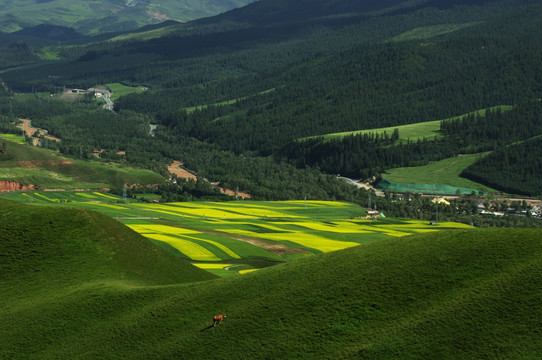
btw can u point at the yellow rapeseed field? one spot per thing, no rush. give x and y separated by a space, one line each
85 195
247 271
105 196
187 247
338 228
211 266
117 207
45 197
164 229
218 245
181 233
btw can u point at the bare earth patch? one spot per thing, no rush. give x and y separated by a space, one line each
41 163
175 168
30 130
271 246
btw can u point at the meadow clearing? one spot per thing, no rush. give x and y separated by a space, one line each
412 132
118 90
444 172
228 238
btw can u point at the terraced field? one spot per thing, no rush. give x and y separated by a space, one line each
229 238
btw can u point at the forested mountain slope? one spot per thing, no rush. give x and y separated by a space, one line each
515 168
251 85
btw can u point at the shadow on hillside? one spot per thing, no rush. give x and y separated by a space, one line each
207 328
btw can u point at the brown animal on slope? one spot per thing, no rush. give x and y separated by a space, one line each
218 319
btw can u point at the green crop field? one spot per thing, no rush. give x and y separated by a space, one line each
77 284
250 234
18 139
440 172
428 130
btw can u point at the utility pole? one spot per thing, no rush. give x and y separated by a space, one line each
437 210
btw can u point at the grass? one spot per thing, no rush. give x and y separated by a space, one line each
118 90
146 34
428 32
111 294
440 172
49 169
412 132
191 109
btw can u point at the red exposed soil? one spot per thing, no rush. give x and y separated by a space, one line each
41 163
15 186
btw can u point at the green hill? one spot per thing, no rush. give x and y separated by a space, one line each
47 169
69 247
71 290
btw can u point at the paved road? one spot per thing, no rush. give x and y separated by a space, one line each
108 102
361 185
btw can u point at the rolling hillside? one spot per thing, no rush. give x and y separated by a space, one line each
69 290
41 168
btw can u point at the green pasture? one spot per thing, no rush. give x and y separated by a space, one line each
249 234
444 172
431 31
118 90
77 284
46 178
413 132
145 35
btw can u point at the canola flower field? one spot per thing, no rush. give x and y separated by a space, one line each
237 237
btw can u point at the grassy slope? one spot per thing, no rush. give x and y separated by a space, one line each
431 31
440 172
52 170
457 294
119 90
